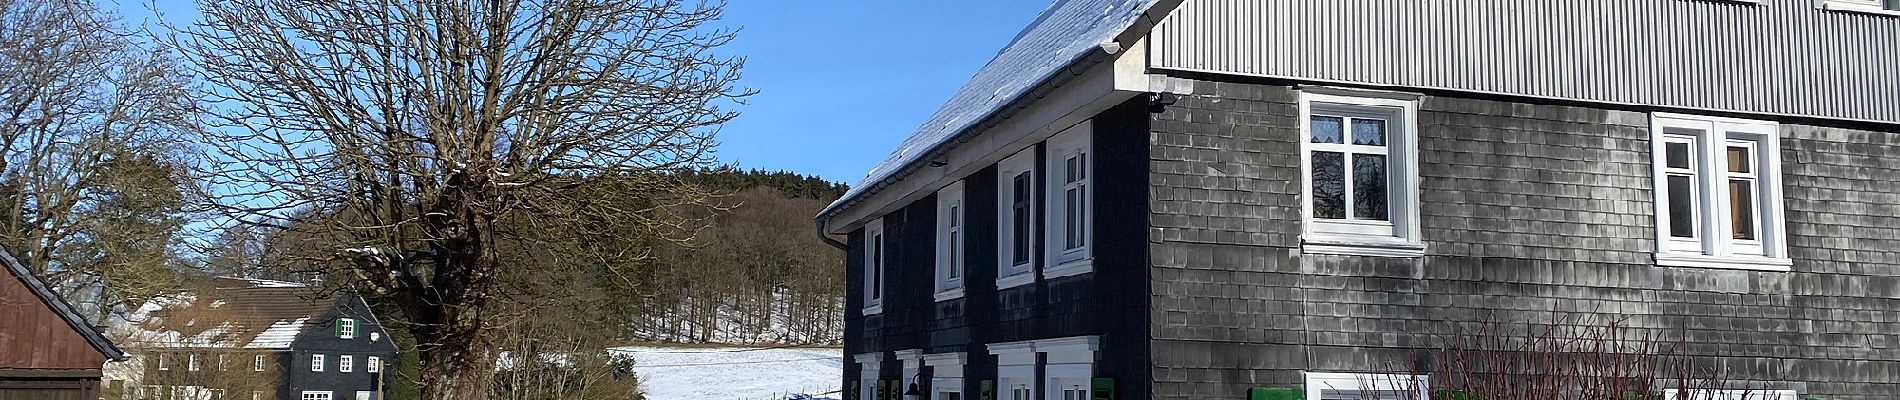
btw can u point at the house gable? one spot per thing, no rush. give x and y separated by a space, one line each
41 331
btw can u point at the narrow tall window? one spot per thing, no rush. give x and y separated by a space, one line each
1016 219
191 362
1718 196
874 267
316 363
345 363
950 238
1360 157
162 361
345 328
257 364
1070 224
375 364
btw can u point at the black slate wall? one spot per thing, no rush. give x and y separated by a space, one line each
1106 302
1528 209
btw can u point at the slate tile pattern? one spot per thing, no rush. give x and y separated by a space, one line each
1528 210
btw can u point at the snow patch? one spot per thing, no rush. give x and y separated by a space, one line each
743 373
279 335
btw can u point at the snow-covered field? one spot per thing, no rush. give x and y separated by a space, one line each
740 373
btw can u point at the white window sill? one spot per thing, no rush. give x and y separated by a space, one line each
1369 247
949 294
1015 280
1070 268
873 310
1756 263
1859 8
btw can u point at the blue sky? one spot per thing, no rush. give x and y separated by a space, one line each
840 82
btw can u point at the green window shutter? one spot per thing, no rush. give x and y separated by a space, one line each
337 328
1102 389
1261 393
852 394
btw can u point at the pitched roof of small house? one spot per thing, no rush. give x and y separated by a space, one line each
232 313
1066 32
58 304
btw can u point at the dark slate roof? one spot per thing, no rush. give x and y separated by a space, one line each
233 313
60 306
1065 32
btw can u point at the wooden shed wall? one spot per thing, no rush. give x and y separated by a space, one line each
32 336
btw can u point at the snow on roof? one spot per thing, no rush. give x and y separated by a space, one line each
266 283
1064 33
279 335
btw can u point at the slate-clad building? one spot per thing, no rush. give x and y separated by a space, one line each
1193 199
255 339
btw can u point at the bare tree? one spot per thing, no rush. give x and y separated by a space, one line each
90 133
411 132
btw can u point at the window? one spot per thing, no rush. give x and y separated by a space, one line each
1873 6
1015 369
1336 386
1016 218
868 364
315 395
1717 193
316 363
1069 231
1068 366
950 238
257 395
221 362
946 375
257 364
345 328
345 363
1713 394
1359 153
375 364
163 362
874 267
191 362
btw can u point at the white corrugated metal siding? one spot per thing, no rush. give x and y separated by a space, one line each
1779 57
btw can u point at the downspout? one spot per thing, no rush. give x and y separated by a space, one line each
820 226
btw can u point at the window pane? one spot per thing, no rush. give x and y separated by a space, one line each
1021 184
1370 132
1069 170
1741 194
877 266
1327 129
1072 218
1738 159
1019 235
1677 155
1082 165
956 253
956 217
1681 206
1369 187
1329 185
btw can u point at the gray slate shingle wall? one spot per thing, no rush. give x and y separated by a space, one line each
1528 210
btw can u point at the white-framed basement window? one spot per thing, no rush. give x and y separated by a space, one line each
946 375
1718 193
1363 386
1070 366
1360 155
951 236
868 364
1070 224
1016 220
1015 370
1885 7
315 395
874 267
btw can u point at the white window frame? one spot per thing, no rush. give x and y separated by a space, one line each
1735 394
162 362
1713 246
1400 235
953 236
1318 382
221 357
876 270
346 328
1069 365
1015 369
1076 143
868 372
345 363
257 364
316 363
375 365
946 375
1865 6
1009 274
191 362
316 395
